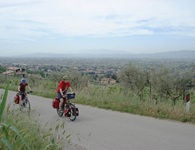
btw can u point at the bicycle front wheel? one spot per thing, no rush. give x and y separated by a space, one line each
27 106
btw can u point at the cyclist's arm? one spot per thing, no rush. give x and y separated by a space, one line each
19 88
61 92
70 89
29 88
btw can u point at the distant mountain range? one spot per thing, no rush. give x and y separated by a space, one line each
85 54
183 54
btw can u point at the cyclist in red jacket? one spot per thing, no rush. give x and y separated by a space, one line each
63 86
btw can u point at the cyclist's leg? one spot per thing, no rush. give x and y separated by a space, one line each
61 103
66 103
21 99
61 100
22 95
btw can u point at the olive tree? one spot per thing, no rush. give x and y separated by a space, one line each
133 78
77 79
166 84
187 81
56 77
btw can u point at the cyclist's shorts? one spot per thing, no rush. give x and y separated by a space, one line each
59 95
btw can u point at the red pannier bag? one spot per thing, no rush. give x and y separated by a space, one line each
55 103
67 112
17 99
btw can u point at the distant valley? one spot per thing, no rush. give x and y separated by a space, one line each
183 54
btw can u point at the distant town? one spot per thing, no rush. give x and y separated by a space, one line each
106 74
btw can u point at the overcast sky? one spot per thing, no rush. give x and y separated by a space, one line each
62 26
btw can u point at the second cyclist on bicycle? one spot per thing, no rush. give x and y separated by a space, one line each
22 88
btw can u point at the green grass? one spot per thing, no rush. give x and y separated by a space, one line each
116 100
33 134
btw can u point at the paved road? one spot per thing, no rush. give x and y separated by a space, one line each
98 129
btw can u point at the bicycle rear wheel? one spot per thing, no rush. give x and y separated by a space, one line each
60 113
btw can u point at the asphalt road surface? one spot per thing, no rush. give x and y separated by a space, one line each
98 129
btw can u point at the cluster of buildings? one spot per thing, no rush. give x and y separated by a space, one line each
15 71
103 74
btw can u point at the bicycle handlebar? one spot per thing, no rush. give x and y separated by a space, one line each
29 92
24 92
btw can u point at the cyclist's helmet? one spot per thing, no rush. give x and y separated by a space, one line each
65 78
23 80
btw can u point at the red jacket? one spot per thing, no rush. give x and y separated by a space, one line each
23 87
63 85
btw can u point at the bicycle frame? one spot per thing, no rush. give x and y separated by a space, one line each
25 103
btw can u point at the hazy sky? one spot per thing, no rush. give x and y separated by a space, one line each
61 26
